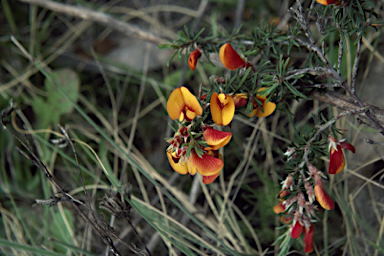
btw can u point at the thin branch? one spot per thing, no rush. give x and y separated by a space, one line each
344 102
239 13
374 142
333 73
292 73
356 65
31 156
325 126
321 86
341 48
99 17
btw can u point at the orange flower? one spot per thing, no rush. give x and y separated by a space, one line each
308 239
216 139
336 155
222 108
179 166
327 2
182 104
283 194
193 57
207 165
279 208
211 178
240 99
268 107
230 59
322 196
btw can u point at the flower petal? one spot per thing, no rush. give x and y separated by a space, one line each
336 160
308 239
209 179
175 104
228 111
240 99
191 101
192 60
327 2
229 57
222 108
216 109
279 208
346 145
323 198
286 219
283 194
260 97
297 229
268 108
216 139
176 165
206 165
190 114
191 169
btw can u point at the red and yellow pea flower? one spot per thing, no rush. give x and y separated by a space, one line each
336 155
207 165
179 164
297 229
327 2
279 208
231 59
308 239
267 106
183 156
240 99
222 108
193 57
182 104
322 196
216 139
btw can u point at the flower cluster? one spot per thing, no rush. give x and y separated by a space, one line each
197 152
195 143
298 196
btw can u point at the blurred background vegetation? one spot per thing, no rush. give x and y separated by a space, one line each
117 86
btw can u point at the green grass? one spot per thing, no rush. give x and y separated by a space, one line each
116 117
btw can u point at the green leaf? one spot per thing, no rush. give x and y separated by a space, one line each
182 35
48 111
45 114
166 46
294 90
198 34
69 82
381 250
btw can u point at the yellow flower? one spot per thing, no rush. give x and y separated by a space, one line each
182 104
268 107
222 108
